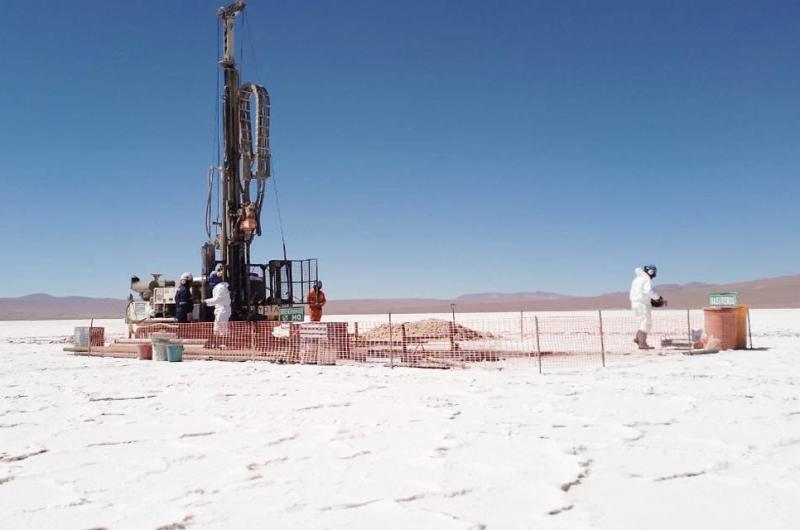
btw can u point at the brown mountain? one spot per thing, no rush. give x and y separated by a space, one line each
535 295
777 292
45 307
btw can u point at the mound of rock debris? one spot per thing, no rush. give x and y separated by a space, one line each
430 329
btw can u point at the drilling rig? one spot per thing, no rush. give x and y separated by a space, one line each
258 290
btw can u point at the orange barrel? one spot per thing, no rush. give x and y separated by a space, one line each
97 336
721 323
741 327
145 352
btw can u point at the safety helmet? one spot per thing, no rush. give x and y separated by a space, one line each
650 270
186 276
318 284
219 267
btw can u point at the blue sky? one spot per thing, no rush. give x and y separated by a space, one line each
422 148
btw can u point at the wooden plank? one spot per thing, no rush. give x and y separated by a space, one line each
700 352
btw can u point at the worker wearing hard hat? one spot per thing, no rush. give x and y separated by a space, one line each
184 304
220 299
316 299
643 296
216 276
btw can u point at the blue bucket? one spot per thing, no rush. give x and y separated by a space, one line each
175 353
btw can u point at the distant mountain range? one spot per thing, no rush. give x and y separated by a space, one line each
777 292
42 306
535 295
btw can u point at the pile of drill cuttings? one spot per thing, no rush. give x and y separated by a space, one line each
430 329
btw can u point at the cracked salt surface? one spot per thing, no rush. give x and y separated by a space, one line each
652 442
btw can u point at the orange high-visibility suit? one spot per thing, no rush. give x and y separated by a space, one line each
316 299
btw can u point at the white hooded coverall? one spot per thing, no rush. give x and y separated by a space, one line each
221 300
641 293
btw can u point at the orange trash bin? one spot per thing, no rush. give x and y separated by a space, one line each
722 323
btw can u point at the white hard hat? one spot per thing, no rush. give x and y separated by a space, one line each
186 276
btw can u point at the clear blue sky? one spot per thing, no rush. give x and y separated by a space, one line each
422 148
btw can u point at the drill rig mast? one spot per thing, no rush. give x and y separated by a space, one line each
240 217
257 291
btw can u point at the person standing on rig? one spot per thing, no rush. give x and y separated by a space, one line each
316 299
220 299
643 296
184 303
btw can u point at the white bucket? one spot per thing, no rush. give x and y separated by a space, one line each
160 342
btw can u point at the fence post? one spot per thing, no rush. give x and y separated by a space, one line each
403 338
89 345
689 328
253 341
538 349
749 329
602 339
452 338
522 327
391 343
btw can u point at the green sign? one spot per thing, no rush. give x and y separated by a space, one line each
722 299
292 314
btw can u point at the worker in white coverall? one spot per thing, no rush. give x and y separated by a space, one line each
221 300
643 297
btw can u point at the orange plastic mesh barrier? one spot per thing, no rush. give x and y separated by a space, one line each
544 340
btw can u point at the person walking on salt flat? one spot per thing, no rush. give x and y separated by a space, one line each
643 296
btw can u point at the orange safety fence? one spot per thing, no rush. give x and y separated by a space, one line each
545 340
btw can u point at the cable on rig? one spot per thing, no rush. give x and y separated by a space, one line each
278 209
215 146
272 173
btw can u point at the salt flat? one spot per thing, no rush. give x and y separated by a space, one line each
656 442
